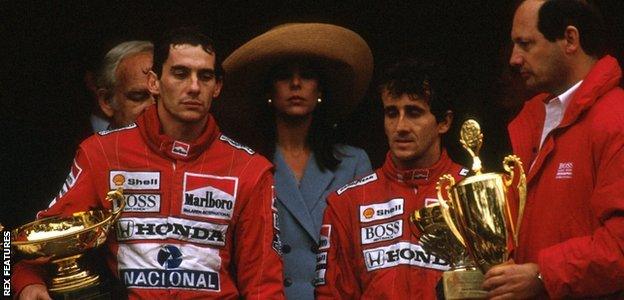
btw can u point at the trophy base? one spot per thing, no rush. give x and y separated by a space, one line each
463 284
99 291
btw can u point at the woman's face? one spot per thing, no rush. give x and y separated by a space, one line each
295 92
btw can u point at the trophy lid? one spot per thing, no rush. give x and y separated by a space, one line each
471 138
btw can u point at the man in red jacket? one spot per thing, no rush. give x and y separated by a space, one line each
571 140
199 216
367 250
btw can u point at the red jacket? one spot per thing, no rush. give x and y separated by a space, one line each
573 224
367 249
199 217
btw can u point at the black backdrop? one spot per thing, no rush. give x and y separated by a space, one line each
47 47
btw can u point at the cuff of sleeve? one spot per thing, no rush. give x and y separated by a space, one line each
554 289
25 274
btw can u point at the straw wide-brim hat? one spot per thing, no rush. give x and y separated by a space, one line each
343 56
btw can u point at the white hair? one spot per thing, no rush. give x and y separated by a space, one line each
106 78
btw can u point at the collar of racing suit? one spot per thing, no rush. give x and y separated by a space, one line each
149 126
416 177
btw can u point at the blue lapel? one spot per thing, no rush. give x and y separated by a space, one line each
288 194
314 186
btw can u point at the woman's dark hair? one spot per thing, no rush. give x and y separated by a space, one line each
322 134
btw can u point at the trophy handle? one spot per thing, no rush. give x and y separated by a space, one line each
445 183
116 195
513 166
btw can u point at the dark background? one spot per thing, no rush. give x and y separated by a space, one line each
48 47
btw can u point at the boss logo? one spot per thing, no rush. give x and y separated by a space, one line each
141 203
382 232
381 211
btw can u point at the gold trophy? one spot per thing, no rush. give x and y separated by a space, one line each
477 209
464 279
63 241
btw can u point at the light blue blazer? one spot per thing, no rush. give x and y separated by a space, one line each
301 210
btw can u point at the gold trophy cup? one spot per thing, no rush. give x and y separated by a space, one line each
477 209
464 279
63 240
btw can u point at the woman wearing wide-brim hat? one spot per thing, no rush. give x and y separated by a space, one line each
284 92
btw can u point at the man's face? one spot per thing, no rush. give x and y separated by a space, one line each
131 95
541 63
187 85
412 130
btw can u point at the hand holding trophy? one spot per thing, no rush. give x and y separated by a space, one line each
63 241
477 213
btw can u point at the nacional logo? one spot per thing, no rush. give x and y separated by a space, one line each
381 232
130 180
180 148
209 196
167 267
171 228
169 257
362 181
402 253
381 211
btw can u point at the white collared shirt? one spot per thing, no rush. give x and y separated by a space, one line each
555 108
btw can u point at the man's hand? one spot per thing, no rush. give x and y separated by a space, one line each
512 281
35 292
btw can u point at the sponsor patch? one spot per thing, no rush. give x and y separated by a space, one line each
382 232
180 148
402 253
141 203
277 241
321 268
107 131
565 170
325 237
431 202
132 229
463 172
381 211
130 180
157 266
74 173
362 181
236 144
209 196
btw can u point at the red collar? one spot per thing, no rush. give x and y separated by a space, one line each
151 130
417 177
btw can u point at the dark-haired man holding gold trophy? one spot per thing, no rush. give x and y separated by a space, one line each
198 220
368 249
571 140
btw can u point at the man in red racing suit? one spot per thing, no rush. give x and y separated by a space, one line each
199 219
367 249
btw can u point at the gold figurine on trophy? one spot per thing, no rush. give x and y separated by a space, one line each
64 240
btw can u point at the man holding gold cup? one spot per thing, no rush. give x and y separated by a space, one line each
571 140
198 220
367 247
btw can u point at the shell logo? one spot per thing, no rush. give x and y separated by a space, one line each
368 213
119 180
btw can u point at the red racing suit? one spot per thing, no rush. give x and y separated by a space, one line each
573 224
199 219
367 249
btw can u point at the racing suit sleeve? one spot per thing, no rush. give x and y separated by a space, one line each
335 277
76 194
593 265
257 257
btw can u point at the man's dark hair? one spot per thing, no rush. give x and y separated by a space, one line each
417 80
556 15
179 36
